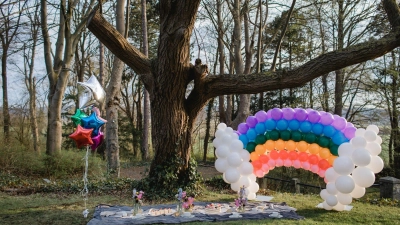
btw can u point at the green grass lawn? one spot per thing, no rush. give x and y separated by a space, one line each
67 209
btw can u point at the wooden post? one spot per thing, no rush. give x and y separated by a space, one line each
296 182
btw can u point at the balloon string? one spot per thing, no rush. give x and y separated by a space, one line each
85 191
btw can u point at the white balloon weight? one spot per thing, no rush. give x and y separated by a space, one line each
358 192
331 200
344 199
374 148
345 149
359 142
343 165
245 155
370 135
222 151
338 207
324 194
246 168
345 184
331 175
363 176
373 128
221 165
326 206
234 159
376 164
221 126
232 175
361 157
331 188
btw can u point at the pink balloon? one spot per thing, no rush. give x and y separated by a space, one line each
297 164
97 140
321 173
265 168
305 165
350 132
287 163
339 122
271 163
278 162
326 118
314 168
259 173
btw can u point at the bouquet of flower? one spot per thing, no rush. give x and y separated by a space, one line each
137 201
184 202
241 201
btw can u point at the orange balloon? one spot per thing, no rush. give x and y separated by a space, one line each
324 153
269 145
254 156
331 159
313 148
280 144
290 145
260 149
302 146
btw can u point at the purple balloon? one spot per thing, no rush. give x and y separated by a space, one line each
269 114
326 118
288 113
243 128
261 116
251 121
314 116
309 110
276 113
300 114
350 132
339 122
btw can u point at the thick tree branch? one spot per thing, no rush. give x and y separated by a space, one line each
392 11
120 47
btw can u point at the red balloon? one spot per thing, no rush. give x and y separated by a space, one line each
274 155
283 154
313 159
257 164
303 156
323 164
82 136
263 159
293 155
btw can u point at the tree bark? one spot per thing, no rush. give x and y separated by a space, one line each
146 99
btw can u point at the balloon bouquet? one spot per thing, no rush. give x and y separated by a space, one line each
87 132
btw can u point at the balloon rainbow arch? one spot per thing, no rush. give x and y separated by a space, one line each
325 144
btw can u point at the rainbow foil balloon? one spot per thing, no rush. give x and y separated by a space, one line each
325 144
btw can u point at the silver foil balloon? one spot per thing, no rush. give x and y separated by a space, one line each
90 92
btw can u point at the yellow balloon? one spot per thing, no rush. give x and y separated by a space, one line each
269 145
302 146
331 159
291 145
260 149
254 156
324 153
314 148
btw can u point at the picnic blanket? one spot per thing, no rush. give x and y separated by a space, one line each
106 214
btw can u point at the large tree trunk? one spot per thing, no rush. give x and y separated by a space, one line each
6 113
146 99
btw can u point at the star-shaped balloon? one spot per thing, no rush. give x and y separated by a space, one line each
76 118
92 121
97 140
82 136
97 111
90 92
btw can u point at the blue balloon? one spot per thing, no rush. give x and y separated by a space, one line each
92 121
282 124
260 128
339 138
317 128
329 131
270 124
305 126
294 125
243 138
251 134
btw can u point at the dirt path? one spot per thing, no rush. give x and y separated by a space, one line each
138 172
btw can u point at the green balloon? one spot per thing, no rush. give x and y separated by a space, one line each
267 136
323 141
310 138
285 135
334 150
260 139
274 135
76 118
296 135
251 146
331 143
